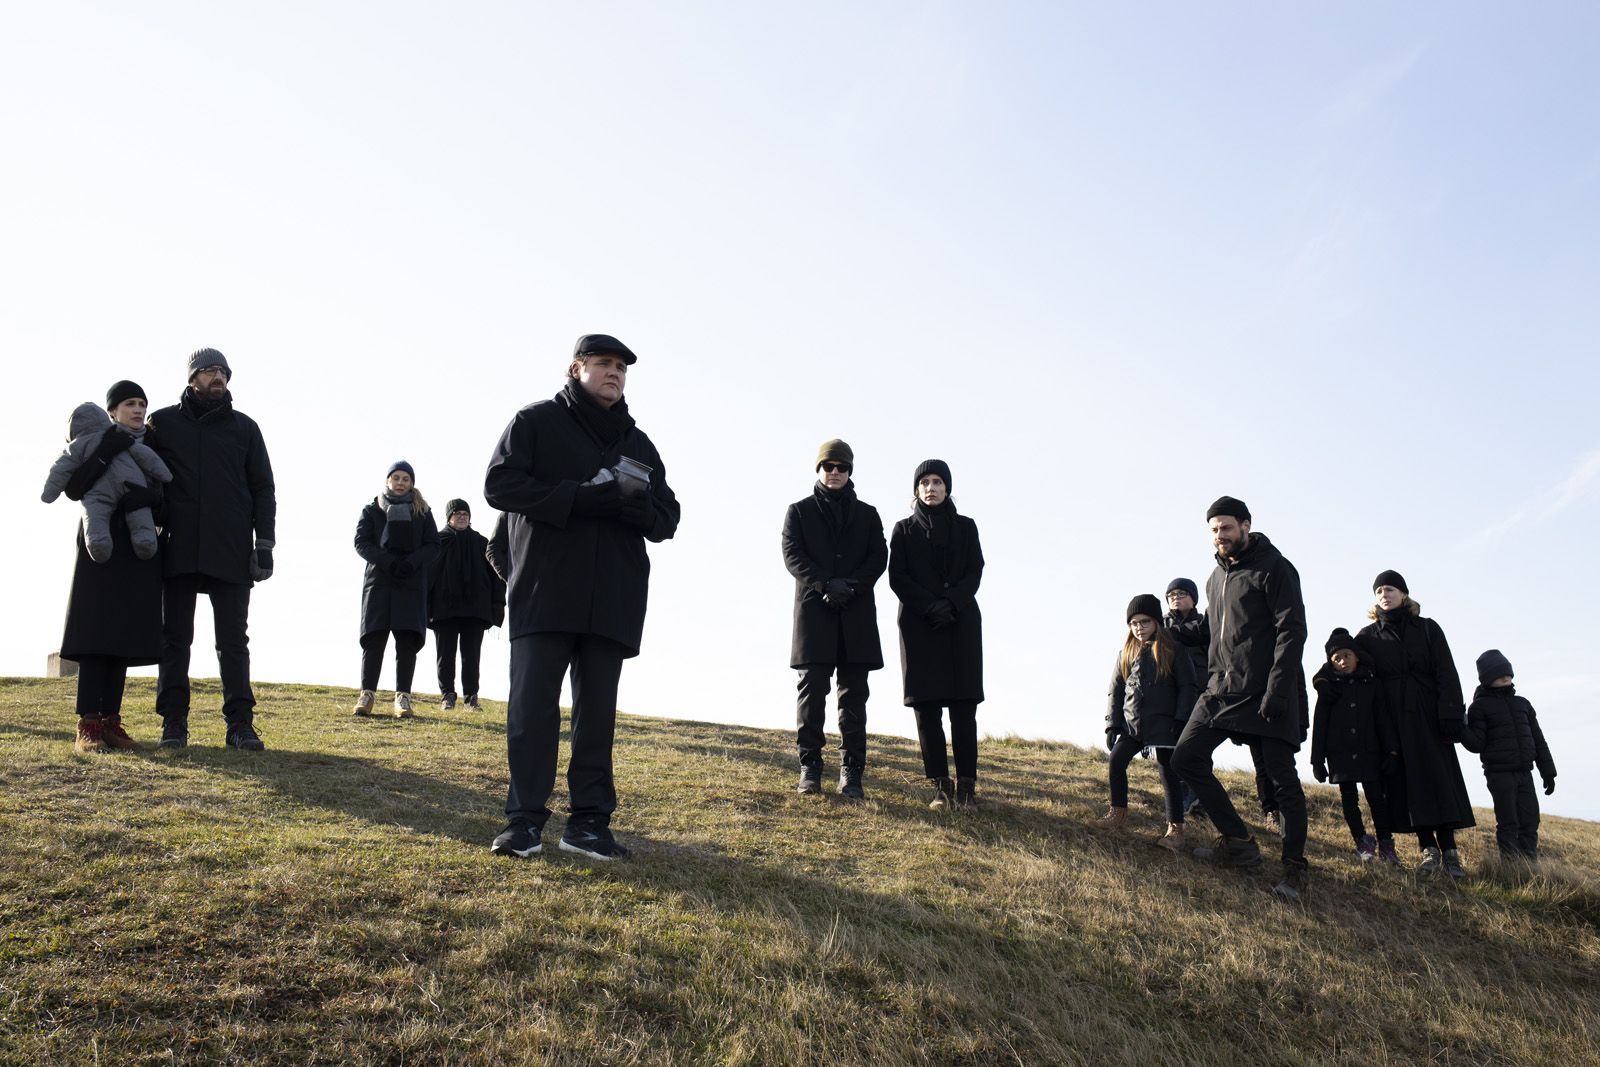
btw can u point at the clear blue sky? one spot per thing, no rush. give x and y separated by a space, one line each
1109 262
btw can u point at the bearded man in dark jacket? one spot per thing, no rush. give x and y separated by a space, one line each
1255 691
833 545
219 532
586 489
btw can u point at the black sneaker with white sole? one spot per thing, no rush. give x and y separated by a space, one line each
518 841
596 843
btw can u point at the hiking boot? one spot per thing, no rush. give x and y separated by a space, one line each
1366 848
1292 887
1231 852
810 780
471 701
1172 840
850 783
1115 818
447 701
965 800
944 794
594 842
1452 864
174 733
1274 824
364 703
112 733
90 736
1387 854
244 738
402 706
517 841
1432 860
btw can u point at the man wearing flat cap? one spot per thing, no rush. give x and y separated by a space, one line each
1255 691
584 489
833 545
220 530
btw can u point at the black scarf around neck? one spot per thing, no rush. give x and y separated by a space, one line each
837 504
200 406
605 426
461 563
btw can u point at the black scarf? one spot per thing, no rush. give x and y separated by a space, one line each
398 533
939 525
459 565
605 426
837 504
198 407
1390 622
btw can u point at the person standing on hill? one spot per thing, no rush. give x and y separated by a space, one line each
397 537
1255 690
1353 743
586 489
935 565
833 545
1503 729
219 534
465 597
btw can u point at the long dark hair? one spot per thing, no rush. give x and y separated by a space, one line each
1163 647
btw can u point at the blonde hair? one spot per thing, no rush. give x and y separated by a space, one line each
419 503
1410 605
1163 647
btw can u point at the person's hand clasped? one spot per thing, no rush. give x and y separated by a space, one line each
838 593
637 511
135 497
601 501
401 568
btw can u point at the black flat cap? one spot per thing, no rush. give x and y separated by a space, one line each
596 344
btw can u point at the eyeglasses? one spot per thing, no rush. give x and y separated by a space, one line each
835 468
212 370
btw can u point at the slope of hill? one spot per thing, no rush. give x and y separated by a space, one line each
332 900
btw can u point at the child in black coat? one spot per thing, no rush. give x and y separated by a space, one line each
1504 730
1353 741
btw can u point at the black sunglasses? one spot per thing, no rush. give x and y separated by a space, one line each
834 468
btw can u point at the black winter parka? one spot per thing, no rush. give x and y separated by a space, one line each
221 499
1352 732
1503 729
1194 634
574 573
939 666
1255 682
1160 706
387 602
814 552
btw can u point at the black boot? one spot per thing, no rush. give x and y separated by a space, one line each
1293 887
944 792
174 732
850 782
810 779
965 799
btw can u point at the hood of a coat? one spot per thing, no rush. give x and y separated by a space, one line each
87 417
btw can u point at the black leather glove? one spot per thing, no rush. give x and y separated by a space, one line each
601 501
838 592
111 445
637 511
135 497
1319 771
263 568
940 613
401 568
1111 739
1391 764
1549 786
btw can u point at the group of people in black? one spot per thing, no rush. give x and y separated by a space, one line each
582 490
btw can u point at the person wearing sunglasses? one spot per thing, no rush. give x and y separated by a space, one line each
833 545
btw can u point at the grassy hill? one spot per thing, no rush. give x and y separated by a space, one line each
332 900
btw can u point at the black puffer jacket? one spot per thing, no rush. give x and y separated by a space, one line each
1504 730
1194 634
1159 706
1352 732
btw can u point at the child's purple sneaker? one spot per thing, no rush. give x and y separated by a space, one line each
1367 848
1387 854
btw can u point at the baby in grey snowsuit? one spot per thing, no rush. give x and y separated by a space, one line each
90 423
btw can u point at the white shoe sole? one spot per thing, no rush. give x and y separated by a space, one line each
519 853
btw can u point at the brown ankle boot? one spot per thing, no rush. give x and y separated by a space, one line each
1172 840
112 733
1115 818
89 739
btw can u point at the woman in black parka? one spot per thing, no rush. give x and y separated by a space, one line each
1423 694
935 565
398 539
465 598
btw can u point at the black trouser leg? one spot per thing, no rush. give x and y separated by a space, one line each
373 644
1171 786
471 656
1378 804
811 712
1350 800
1277 759
230 616
407 643
177 635
100 683
533 723
1440 836
853 694
1528 816
1503 788
1265 793
1122 754
930 738
1191 759
964 739
445 637
596 669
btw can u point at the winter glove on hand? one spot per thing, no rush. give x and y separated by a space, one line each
1111 740
637 511
1268 709
1549 786
839 593
1319 771
401 568
940 613
1391 764
135 497
597 501
111 445
261 564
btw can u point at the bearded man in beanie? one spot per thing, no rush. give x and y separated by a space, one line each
833 545
585 489
1255 692
220 530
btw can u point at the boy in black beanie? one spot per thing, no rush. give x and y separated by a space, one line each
1354 743
1504 730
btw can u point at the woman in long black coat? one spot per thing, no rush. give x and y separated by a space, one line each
397 537
935 565
1423 693
466 596
114 608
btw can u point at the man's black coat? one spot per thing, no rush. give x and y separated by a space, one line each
814 551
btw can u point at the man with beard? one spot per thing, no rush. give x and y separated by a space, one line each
585 489
221 521
1255 693
833 545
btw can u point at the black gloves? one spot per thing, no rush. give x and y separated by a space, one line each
1549 786
940 613
263 567
135 497
1111 739
401 568
1268 709
111 445
839 593
1319 771
1391 764
637 511
601 501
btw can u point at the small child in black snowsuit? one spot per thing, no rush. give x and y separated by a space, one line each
1353 741
1504 730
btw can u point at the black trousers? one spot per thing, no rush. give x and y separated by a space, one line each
1122 754
1351 801
230 610
468 633
100 683
1432 837
812 708
539 662
963 738
1192 760
1516 813
407 643
1266 792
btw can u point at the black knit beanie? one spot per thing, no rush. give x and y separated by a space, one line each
834 451
932 466
400 465
201 358
1493 664
454 506
1187 586
123 390
1144 604
1227 505
1340 638
1390 578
